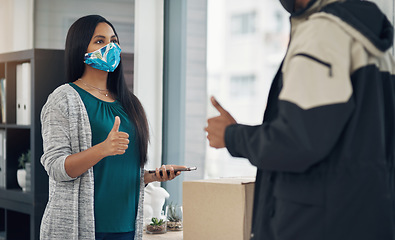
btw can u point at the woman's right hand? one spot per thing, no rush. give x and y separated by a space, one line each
116 142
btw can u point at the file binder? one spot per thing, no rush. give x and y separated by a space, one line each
23 90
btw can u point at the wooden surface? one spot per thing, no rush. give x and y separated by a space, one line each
170 235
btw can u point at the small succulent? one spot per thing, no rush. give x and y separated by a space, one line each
173 215
156 222
23 159
156 226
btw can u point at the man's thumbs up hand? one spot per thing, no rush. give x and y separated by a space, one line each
220 109
116 142
217 125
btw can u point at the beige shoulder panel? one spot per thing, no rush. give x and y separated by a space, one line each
316 71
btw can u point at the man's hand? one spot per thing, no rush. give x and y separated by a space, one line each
217 125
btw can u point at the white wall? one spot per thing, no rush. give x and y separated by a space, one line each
53 18
25 24
16 25
148 67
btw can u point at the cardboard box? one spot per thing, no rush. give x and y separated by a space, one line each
218 209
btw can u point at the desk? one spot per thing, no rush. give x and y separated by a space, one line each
170 235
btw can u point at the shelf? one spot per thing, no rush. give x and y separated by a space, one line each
19 56
16 200
24 208
14 126
16 195
2 223
18 208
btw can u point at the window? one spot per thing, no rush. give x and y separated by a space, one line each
242 86
388 7
201 57
240 70
243 23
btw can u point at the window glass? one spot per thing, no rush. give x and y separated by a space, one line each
388 8
242 86
246 42
243 23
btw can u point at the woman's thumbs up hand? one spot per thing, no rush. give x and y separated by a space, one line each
116 142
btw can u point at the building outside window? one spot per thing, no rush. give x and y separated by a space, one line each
243 23
242 86
246 42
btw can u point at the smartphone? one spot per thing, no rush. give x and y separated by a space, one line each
175 170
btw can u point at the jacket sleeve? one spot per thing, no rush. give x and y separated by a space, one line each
314 104
294 141
56 137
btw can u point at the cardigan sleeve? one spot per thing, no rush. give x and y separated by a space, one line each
139 218
56 136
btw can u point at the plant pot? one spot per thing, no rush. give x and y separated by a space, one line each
21 177
174 226
174 217
156 229
28 176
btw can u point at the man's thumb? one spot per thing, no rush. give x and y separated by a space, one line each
117 122
218 106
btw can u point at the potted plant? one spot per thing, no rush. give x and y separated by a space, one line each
23 173
156 226
174 217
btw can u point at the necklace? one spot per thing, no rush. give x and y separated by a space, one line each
101 91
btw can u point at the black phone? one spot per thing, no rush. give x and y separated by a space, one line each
175 170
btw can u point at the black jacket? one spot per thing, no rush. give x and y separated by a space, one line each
325 151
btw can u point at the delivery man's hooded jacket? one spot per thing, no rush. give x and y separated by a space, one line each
325 151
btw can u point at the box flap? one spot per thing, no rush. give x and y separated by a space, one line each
232 180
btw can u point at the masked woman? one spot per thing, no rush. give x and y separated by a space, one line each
95 137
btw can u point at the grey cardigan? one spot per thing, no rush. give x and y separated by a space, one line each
69 213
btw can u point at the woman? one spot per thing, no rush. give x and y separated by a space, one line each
95 136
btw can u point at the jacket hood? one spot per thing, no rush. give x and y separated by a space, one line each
367 19
364 17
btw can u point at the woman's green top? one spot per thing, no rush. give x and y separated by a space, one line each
117 178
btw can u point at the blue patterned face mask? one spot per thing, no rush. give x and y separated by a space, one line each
106 58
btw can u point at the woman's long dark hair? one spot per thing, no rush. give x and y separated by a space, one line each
77 41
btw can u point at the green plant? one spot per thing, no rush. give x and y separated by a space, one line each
174 217
23 159
156 226
156 222
172 214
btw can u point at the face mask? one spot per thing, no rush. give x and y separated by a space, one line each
106 58
288 5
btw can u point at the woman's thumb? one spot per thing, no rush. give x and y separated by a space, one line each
117 122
